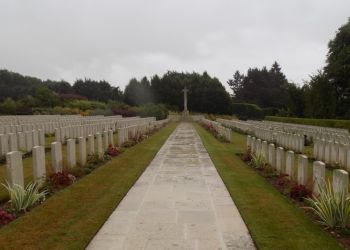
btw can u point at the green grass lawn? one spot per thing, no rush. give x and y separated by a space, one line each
70 218
273 221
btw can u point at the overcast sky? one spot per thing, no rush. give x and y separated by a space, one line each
116 40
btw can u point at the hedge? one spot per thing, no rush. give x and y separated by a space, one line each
345 124
245 111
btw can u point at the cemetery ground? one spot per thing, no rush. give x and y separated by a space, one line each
70 218
27 164
273 220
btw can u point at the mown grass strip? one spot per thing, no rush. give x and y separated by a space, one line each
273 221
70 218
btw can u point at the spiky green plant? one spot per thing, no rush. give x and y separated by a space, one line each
21 199
258 161
331 208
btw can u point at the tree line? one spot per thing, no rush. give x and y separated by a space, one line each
206 93
326 95
258 92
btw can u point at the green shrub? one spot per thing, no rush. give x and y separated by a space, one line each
331 208
104 112
21 199
86 105
258 161
8 107
270 111
245 111
345 124
156 110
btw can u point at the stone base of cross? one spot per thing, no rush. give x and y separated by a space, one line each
186 115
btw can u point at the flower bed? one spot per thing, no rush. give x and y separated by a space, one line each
300 195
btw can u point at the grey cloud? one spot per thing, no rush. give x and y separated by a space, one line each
117 40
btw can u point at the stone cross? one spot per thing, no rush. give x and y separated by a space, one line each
185 90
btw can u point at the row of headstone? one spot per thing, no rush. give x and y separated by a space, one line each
332 153
236 124
291 141
49 123
64 133
222 131
126 133
283 162
312 132
21 141
14 164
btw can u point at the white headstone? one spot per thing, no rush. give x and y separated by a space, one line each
91 145
71 153
319 169
82 151
340 181
56 156
39 169
290 168
302 169
14 168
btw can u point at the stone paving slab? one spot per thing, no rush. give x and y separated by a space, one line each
179 202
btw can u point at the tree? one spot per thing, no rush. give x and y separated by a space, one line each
320 97
61 87
295 100
8 107
206 94
138 92
236 84
46 98
337 69
94 90
263 87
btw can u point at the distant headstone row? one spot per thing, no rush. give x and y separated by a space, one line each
95 142
283 162
222 131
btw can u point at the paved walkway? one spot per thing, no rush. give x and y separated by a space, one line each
179 202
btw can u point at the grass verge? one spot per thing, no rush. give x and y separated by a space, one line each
273 221
70 218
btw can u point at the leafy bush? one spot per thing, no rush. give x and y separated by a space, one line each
93 159
70 96
270 111
345 124
299 192
104 112
247 156
129 143
245 111
86 105
61 179
153 110
282 181
113 151
6 217
258 161
331 208
8 107
124 112
57 111
21 199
